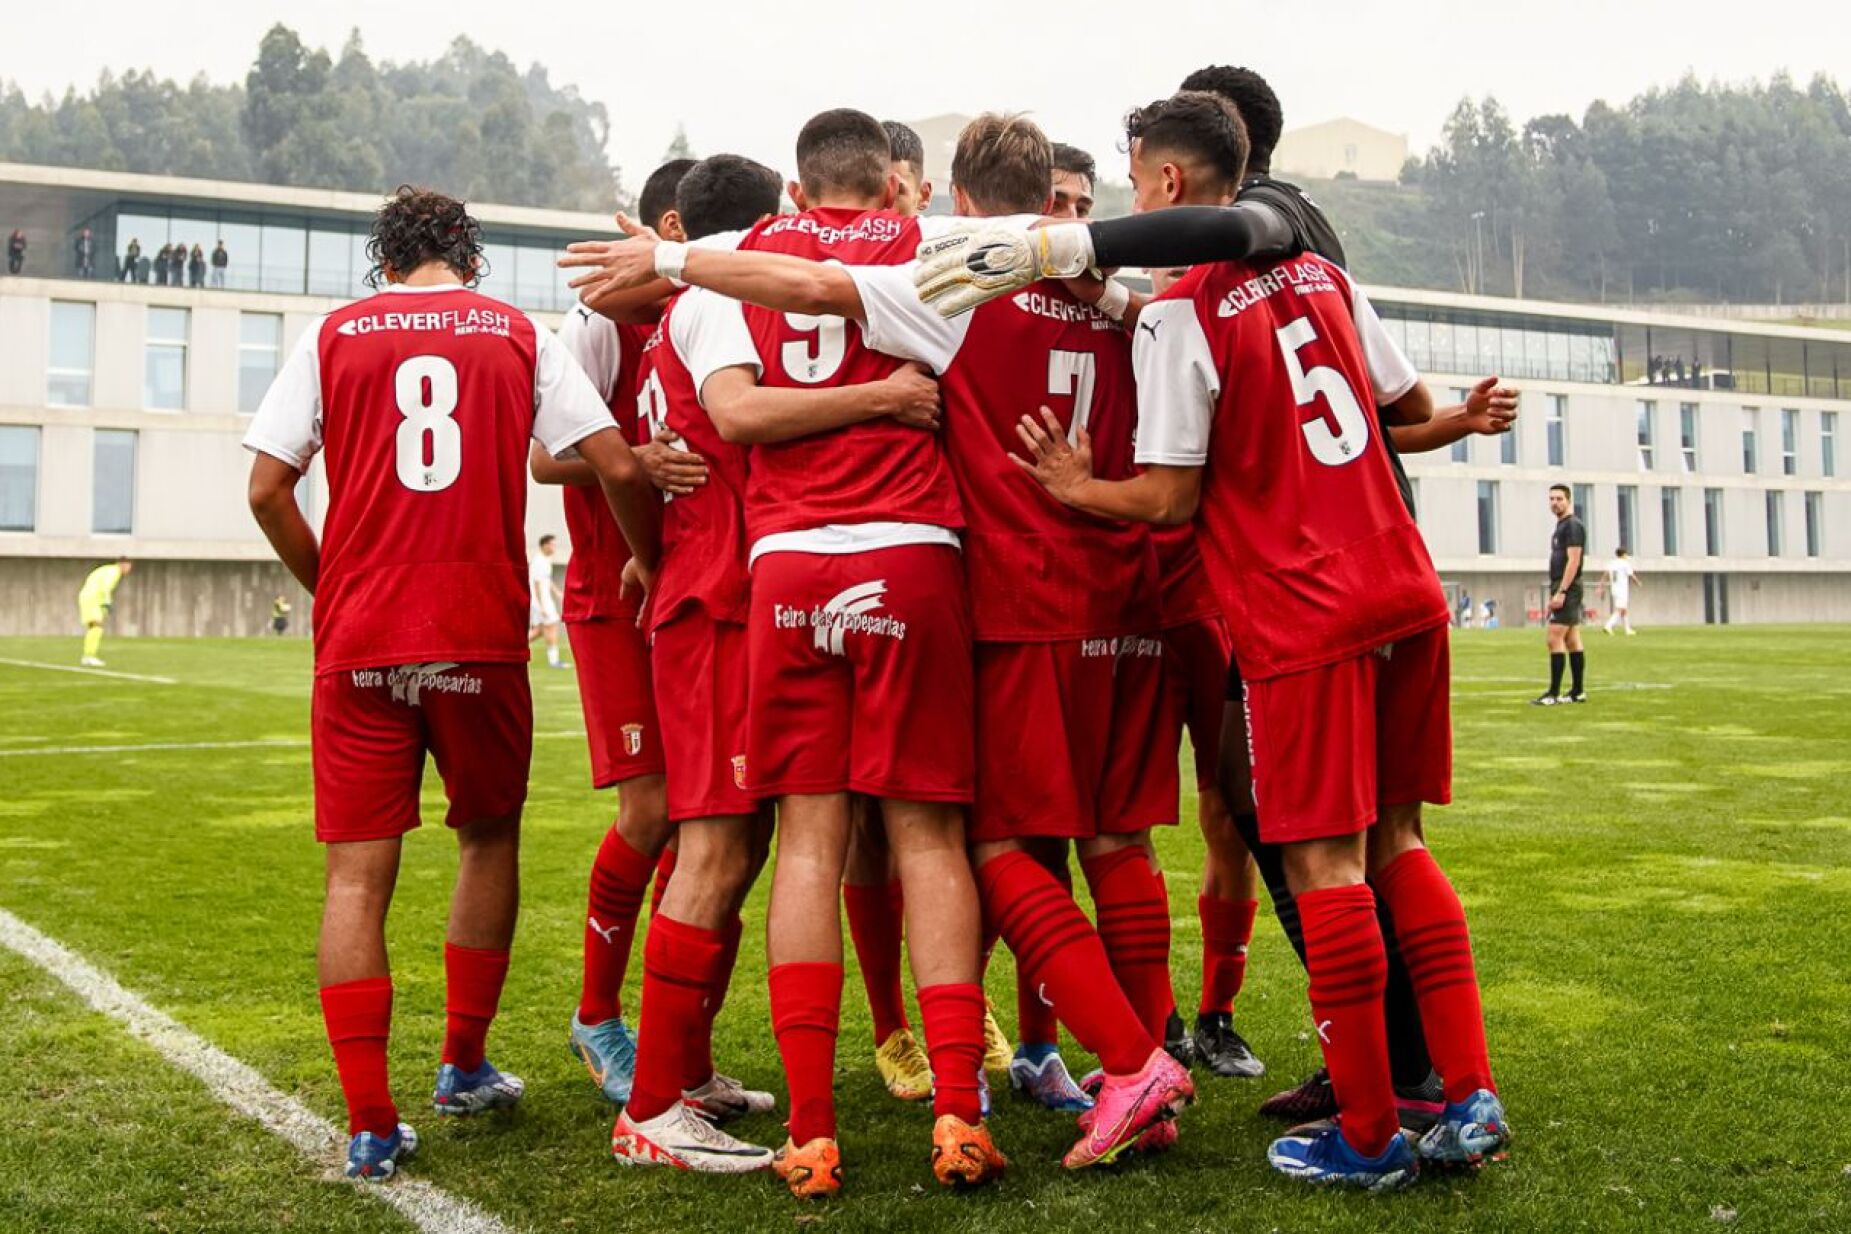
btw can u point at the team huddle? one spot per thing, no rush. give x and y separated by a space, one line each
918 541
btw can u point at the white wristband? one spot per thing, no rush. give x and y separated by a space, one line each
1115 300
671 259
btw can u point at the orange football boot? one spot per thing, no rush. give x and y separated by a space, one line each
964 1155
812 1172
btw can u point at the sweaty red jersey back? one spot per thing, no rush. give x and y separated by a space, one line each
875 471
1038 570
1258 374
428 405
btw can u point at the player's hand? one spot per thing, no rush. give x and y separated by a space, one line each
636 578
1491 409
1556 601
613 265
910 395
983 260
1062 468
670 465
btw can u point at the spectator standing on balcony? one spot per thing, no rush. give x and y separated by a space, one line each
220 259
131 258
16 252
85 251
160 264
196 267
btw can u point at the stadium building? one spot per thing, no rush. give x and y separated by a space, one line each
1711 449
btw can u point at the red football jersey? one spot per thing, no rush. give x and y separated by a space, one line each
876 471
609 353
1267 376
1188 594
423 401
1038 571
703 532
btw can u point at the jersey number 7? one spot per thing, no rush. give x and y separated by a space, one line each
1332 448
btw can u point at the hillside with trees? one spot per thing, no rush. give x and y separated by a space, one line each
469 122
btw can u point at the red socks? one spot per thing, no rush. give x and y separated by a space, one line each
665 870
1349 970
953 1018
875 922
679 966
618 877
698 1059
473 977
1227 929
1134 923
1430 928
806 1011
1036 1023
1056 945
359 1019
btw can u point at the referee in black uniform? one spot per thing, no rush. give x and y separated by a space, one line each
1567 554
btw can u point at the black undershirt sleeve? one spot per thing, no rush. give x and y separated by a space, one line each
1192 235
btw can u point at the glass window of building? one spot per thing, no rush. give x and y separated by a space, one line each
1507 448
1487 517
1583 503
1712 522
330 257
1670 503
19 477
1815 524
112 489
1646 410
1789 442
1461 449
283 258
243 249
260 354
1687 435
73 354
1773 522
164 386
1555 428
1828 443
1629 517
1750 440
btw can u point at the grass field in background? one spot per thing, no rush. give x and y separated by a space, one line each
1659 884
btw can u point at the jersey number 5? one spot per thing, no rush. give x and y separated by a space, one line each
1344 445
430 442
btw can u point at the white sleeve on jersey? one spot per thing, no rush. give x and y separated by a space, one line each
934 226
1177 385
566 407
288 421
899 323
724 241
709 333
1389 370
591 339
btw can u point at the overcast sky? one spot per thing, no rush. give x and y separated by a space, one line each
743 76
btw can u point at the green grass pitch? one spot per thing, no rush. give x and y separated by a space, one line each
1659 884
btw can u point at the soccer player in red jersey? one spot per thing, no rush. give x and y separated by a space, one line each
422 400
611 655
860 670
1059 602
700 358
1339 628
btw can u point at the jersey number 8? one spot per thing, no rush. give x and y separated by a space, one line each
430 442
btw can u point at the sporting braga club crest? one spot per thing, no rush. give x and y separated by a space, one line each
739 771
632 739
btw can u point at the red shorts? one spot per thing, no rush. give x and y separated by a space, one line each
703 708
614 690
1065 740
861 675
1328 746
1196 658
372 727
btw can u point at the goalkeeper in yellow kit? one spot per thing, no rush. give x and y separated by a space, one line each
99 592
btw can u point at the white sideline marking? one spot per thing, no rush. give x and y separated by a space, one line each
279 743
94 672
238 1084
